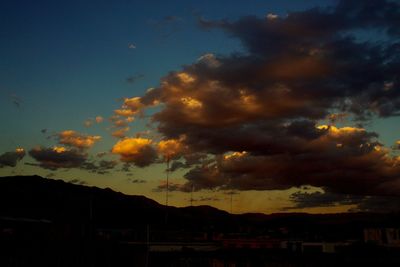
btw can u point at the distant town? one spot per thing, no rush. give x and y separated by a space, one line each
54 223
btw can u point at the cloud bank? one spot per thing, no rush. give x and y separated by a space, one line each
258 114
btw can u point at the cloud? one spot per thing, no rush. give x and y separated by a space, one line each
317 53
397 145
138 151
133 104
58 157
89 122
137 181
360 203
100 167
77 140
10 159
171 148
78 182
257 114
322 199
171 187
99 119
16 100
124 112
102 154
131 46
342 160
206 199
337 117
271 16
134 78
379 204
120 133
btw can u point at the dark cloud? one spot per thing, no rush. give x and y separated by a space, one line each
137 181
379 204
100 167
343 160
361 203
322 199
11 159
206 199
172 187
16 100
176 165
190 159
134 78
78 182
58 157
101 154
126 167
321 53
258 112
231 192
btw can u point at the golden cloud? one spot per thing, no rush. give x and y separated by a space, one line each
136 150
171 148
124 112
134 104
120 133
75 139
99 119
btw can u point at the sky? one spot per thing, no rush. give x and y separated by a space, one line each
247 106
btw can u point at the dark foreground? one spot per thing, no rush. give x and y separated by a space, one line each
35 243
33 253
45 222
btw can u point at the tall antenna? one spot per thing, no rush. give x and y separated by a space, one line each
231 193
166 192
191 196
167 186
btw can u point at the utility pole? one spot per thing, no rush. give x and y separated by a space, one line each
167 192
231 193
191 196
167 185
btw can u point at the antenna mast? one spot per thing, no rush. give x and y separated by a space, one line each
231 193
191 196
167 186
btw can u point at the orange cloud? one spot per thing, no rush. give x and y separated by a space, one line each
134 104
89 122
136 150
120 133
171 148
124 112
99 119
75 139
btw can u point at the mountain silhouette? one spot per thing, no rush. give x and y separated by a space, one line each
37 198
